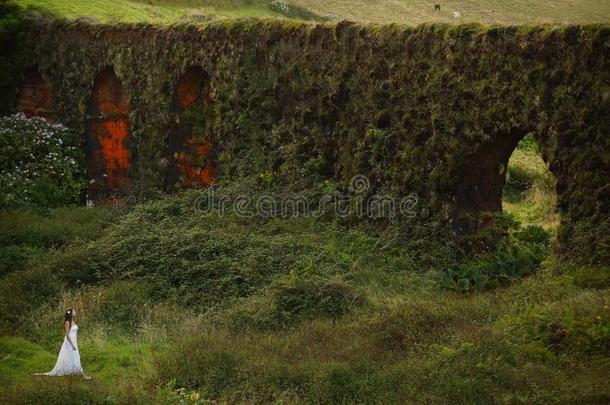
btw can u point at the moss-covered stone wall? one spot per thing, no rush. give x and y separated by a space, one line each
433 110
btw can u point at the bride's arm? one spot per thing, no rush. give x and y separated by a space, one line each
67 333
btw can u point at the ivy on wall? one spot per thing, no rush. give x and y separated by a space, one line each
434 110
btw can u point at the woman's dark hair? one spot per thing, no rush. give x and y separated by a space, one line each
68 315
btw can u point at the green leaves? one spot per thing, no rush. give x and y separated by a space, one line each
41 164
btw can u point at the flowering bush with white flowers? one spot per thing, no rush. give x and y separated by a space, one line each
41 164
280 6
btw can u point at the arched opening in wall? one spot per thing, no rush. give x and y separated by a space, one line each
107 137
190 154
529 195
507 213
505 188
35 97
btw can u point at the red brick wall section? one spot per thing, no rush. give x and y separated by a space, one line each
35 97
107 136
190 154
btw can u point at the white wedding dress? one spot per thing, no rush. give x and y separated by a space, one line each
68 361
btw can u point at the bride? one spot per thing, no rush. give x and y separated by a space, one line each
68 361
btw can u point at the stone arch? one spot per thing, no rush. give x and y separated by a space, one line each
35 97
480 189
107 136
190 155
484 175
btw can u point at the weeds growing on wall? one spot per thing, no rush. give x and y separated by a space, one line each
14 55
400 105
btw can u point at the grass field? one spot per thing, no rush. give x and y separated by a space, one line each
382 11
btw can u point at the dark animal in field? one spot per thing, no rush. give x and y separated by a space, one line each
437 8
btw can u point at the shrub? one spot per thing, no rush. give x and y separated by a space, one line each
401 325
26 235
289 300
280 6
529 144
297 297
169 394
23 292
342 383
597 277
41 164
53 229
124 304
515 258
196 362
13 257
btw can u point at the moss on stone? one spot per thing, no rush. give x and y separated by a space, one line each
433 110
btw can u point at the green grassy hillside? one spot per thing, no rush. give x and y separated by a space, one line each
162 12
383 11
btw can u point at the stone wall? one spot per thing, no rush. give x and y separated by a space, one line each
433 110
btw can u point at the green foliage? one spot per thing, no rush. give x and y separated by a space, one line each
41 164
351 316
512 260
580 325
26 235
21 293
327 102
54 228
56 392
202 264
123 305
299 297
13 55
195 366
14 257
169 394
28 243
597 277
528 144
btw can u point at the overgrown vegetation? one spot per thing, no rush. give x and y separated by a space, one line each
178 305
41 164
315 105
13 56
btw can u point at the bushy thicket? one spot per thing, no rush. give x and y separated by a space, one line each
26 237
351 316
268 273
201 258
41 164
515 258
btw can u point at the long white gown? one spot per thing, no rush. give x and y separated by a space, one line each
68 361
